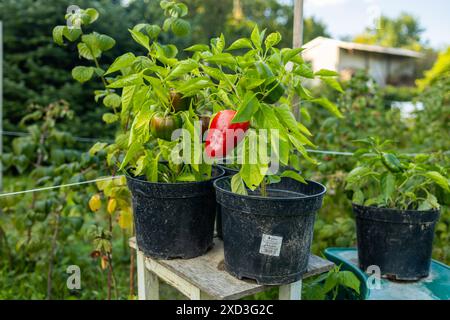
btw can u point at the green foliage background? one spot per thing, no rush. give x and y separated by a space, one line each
37 71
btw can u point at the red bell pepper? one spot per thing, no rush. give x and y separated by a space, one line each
223 136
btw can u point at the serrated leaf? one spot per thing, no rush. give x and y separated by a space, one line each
85 52
82 74
112 100
92 13
110 117
98 146
57 33
72 34
181 27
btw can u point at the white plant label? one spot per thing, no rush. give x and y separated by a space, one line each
271 245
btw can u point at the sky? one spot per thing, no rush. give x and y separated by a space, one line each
350 17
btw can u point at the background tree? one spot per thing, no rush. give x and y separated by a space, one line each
36 70
403 32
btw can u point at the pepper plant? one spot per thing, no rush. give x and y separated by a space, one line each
384 178
255 85
160 93
148 96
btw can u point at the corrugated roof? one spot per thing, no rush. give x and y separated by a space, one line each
364 47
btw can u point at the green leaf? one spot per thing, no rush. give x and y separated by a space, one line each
326 73
357 173
286 117
333 83
85 52
72 34
92 13
191 87
153 31
183 68
167 23
110 118
121 62
272 40
181 27
240 44
132 151
256 37
57 33
237 185
82 74
248 108
127 98
140 38
287 54
197 47
214 73
327 104
430 203
349 280
438 179
112 100
358 197
305 71
388 186
225 59
132 79
293 175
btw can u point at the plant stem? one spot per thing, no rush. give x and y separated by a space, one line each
263 188
51 259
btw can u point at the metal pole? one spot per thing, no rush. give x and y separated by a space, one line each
1 103
297 42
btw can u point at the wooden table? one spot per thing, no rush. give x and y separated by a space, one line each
204 277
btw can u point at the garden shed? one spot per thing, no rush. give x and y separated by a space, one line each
386 65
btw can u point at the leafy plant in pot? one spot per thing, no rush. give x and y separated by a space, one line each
268 213
150 96
396 208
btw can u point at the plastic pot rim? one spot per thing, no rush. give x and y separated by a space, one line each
268 198
136 179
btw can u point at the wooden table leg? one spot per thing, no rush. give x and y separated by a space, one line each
148 282
291 291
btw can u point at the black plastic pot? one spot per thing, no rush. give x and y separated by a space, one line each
174 220
268 239
399 242
228 172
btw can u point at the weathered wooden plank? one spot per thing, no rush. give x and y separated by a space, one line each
148 282
207 273
291 291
